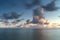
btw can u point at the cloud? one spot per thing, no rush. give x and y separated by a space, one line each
51 6
11 15
34 3
36 16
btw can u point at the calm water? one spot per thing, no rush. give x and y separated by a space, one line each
29 34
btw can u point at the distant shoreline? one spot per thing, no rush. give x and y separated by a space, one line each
34 28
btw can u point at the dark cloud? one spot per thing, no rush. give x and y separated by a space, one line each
16 21
7 16
19 20
12 15
51 6
38 15
36 12
34 3
28 6
28 21
15 15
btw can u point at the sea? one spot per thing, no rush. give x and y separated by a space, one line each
29 34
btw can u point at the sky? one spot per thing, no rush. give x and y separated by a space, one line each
7 6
